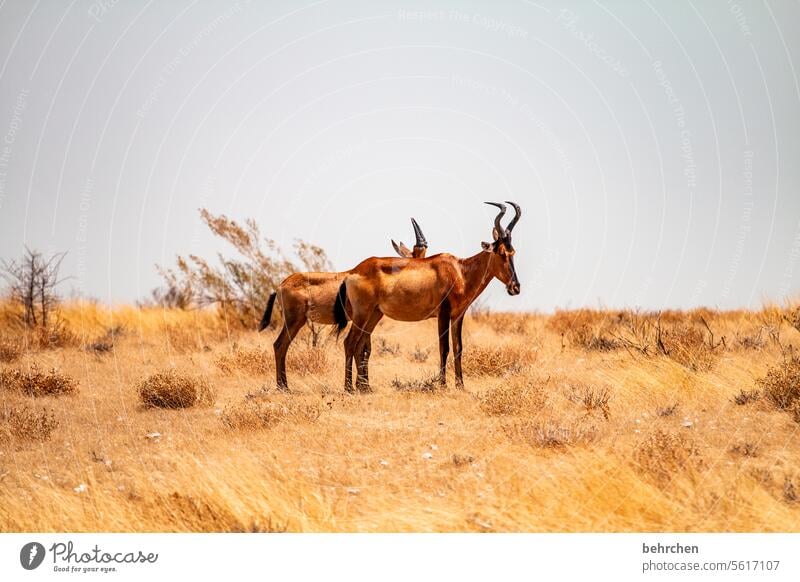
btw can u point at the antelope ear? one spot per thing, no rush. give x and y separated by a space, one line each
401 249
495 234
486 246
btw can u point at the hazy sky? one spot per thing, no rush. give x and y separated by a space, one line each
654 146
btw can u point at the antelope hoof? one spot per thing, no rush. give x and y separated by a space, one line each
365 388
282 387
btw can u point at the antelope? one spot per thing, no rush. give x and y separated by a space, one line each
309 298
404 289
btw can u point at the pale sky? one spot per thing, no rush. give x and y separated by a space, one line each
653 146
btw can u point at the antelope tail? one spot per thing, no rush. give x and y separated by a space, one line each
339 312
267 313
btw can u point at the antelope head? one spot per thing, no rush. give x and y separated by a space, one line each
501 263
420 246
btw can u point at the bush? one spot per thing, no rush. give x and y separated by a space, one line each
781 385
26 423
172 390
35 382
514 398
253 413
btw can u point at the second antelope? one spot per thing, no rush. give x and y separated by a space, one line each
440 286
309 298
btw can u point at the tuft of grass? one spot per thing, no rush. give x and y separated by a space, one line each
747 396
665 411
514 398
252 361
385 348
494 360
552 434
662 455
592 398
416 385
781 384
170 389
307 361
10 350
26 423
252 413
745 449
687 345
36 382
419 355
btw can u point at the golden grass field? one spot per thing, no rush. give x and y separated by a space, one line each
560 428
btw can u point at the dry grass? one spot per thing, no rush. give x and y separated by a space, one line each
496 359
170 389
253 361
666 455
517 397
254 413
10 350
781 384
23 422
33 381
553 431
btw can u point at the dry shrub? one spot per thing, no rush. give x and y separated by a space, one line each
173 390
664 454
35 382
745 449
591 398
252 413
248 360
496 360
416 384
26 423
665 411
387 349
688 345
521 397
751 341
10 350
302 360
747 396
419 355
781 385
588 329
553 434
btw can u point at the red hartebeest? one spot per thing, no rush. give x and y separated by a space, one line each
440 286
309 297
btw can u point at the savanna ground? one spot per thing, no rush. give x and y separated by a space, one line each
148 420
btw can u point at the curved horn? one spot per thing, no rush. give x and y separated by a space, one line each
517 214
497 218
421 242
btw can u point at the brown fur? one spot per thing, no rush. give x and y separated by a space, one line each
441 286
309 297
